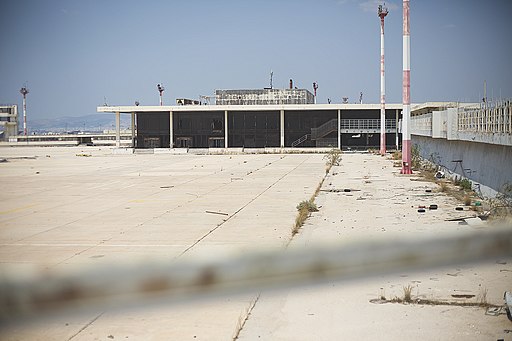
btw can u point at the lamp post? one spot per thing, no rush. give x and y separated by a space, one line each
24 91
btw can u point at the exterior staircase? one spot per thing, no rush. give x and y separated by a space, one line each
325 129
300 140
319 132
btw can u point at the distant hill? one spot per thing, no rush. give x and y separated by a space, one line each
93 122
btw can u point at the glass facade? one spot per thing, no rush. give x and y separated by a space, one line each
253 129
198 129
152 130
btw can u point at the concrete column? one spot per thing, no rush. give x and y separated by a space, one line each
282 128
118 129
133 130
339 129
226 144
171 131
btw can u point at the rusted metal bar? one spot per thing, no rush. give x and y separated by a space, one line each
25 294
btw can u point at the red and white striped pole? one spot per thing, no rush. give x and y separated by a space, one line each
406 94
383 11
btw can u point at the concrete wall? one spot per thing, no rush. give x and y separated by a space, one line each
487 164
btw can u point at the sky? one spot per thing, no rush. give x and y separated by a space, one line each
75 55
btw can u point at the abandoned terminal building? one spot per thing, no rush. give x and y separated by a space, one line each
268 118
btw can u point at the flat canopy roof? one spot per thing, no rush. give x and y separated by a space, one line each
203 108
427 107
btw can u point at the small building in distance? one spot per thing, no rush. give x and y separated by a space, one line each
265 96
8 121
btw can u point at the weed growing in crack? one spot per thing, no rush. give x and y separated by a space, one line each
305 207
407 293
333 158
242 319
481 298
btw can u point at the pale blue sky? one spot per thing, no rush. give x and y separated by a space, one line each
74 53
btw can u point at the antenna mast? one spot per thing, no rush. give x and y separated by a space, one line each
382 12
315 87
24 91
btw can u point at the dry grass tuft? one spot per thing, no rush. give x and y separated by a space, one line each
482 297
467 200
480 300
333 158
305 207
408 293
397 155
428 175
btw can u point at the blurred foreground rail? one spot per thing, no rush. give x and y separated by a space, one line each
40 293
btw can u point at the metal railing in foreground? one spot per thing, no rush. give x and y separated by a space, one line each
40 293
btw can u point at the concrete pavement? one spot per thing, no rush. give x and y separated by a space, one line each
72 206
64 207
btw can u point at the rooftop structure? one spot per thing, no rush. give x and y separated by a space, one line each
263 97
186 101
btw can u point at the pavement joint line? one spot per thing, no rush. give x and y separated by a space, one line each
90 247
78 253
252 305
88 198
85 327
106 210
255 301
198 178
241 208
222 173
